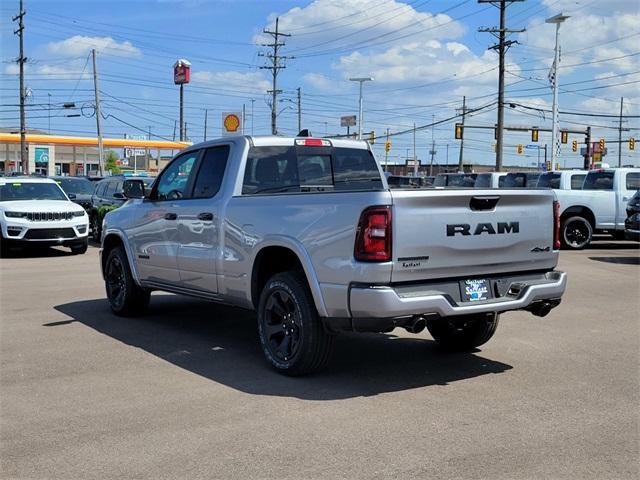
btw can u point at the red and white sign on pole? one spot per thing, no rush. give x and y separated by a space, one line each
182 72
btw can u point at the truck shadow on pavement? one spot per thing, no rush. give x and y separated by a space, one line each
221 343
621 260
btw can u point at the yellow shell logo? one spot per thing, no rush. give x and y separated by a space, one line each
231 123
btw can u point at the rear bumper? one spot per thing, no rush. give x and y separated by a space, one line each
391 302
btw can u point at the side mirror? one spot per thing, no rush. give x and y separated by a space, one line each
119 196
72 196
133 188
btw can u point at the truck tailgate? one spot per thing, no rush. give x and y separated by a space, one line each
470 233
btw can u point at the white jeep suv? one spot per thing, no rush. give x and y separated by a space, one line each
36 211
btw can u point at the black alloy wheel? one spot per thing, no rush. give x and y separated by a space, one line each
576 233
282 325
293 338
125 297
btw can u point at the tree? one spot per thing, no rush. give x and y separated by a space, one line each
110 162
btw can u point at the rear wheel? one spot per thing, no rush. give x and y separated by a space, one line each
125 297
576 233
291 333
464 332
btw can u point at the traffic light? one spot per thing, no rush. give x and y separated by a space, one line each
534 134
632 143
495 147
574 146
372 137
548 166
601 142
387 146
459 131
564 136
519 149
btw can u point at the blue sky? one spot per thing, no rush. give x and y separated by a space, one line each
425 55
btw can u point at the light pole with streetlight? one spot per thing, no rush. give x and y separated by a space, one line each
553 76
360 80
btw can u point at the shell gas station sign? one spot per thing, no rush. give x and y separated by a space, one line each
232 123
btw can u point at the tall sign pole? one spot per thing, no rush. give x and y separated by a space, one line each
182 75
98 115
553 77
24 157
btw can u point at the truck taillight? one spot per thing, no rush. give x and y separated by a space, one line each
556 225
373 237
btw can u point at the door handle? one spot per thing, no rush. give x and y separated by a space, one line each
170 216
205 216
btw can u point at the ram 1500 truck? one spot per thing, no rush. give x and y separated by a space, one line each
306 232
600 206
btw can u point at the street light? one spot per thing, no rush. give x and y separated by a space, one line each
360 80
555 146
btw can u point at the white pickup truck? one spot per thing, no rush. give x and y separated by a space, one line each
562 180
599 207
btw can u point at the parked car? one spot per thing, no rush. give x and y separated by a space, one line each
632 223
78 189
600 207
519 180
107 196
562 180
36 211
305 231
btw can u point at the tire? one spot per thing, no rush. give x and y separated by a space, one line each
125 297
576 233
291 333
618 235
463 333
80 248
96 227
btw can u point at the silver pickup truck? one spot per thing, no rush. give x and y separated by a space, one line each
306 232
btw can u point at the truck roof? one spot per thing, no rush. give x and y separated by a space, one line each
25 179
270 140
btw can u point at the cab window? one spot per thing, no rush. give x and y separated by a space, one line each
174 180
577 181
633 181
211 171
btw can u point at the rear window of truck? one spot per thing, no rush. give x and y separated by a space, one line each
280 169
549 180
577 181
598 181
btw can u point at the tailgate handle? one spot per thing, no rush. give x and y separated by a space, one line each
483 203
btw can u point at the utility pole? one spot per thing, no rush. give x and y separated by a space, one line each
244 116
299 110
206 114
587 151
98 114
464 113
275 67
433 146
49 116
415 159
175 124
620 135
24 157
502 46
253 100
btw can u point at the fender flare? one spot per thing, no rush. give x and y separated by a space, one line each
127 248
305 260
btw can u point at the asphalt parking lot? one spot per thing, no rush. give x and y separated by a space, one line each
184 392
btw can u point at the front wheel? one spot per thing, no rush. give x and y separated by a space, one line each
125 297
464 332
96 228
576 233
291 333
80 248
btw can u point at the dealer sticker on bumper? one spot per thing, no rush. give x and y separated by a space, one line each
475 290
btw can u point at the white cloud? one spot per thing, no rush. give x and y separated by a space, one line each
252 82
80 45
319 81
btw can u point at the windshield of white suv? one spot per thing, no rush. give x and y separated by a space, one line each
30 191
